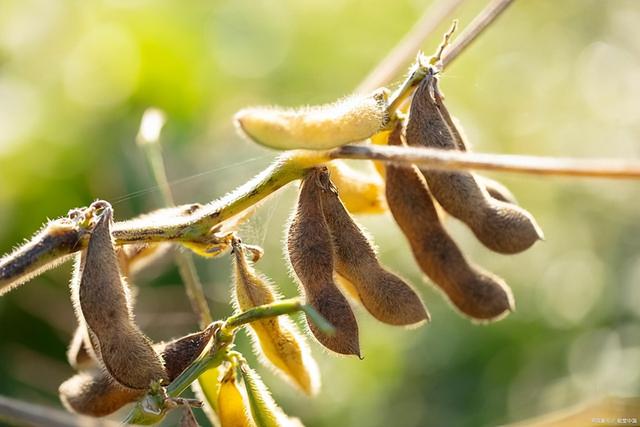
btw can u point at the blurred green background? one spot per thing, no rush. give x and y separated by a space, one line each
549 78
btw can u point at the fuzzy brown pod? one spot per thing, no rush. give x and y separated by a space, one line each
496 189
310 251
474 292
276 339
178 354
96 394
385 295
103 306
500 226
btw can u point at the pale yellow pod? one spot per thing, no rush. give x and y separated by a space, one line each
265 411
207 390
361 193
276 339
380 138
233 410
351 119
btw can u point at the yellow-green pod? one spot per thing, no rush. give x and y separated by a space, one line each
232 407
207 390
265 411
276 339
351 119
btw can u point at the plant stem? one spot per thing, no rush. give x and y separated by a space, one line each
290 166
186 266
153 406
480 23
16 412
278 308
406 49
460 160
420 69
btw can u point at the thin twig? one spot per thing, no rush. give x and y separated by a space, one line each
460 160
149 140
17 412
396 60
480 23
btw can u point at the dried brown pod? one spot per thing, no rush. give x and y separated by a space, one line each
310 251
476 293
276 339
103 306
385 295
96 394
496 189
500 226
178 354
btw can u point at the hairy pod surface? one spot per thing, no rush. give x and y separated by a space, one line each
102 304
500 226
47 249
276 339
321 127
496 189
96 394
232 408
386 296
178 354
474 292
310 251
264 410
361 193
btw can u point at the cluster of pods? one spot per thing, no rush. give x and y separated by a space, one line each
332 256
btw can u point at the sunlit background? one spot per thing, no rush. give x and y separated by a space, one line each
549 78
